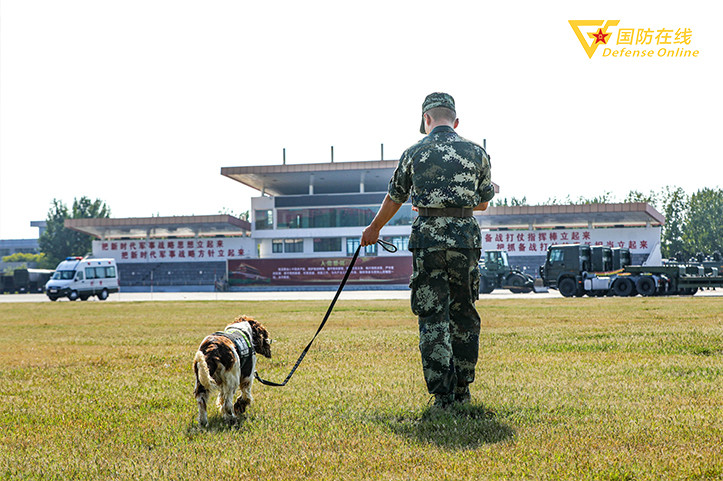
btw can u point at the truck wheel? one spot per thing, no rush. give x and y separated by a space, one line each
646 286
623 287
73 295
84 297
53 298
103 295
517 284
567 287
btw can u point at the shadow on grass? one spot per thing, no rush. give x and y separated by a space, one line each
216 424
460 427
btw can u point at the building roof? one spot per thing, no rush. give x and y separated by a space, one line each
627 214
326 178
162 227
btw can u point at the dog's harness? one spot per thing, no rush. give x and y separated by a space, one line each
389 247
240 341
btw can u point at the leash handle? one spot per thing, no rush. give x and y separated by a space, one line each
387 246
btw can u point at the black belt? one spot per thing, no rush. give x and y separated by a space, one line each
446 212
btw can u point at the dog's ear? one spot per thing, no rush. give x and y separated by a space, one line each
244 317
262 344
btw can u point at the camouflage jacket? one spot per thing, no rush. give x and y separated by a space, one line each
443 170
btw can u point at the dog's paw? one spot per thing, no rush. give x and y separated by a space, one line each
240 406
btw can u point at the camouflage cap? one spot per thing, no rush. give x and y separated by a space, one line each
434 100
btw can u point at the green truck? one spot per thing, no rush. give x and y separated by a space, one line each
577 270
496 273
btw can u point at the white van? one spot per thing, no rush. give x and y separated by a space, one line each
79 278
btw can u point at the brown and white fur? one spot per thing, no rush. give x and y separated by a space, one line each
217 365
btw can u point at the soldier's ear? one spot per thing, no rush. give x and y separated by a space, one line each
456 123
427 121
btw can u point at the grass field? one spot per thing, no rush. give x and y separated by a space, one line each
609 389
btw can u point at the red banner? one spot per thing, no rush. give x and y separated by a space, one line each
319 271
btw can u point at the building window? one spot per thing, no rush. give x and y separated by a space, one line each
400 242
264 219
331 217
355 216
293 245
327 244
293 219
277 246
322 218
351 245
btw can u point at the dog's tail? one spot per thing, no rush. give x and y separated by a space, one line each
202 373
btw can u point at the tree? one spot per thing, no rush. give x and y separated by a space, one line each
704 229
653 198
514 201
243 215
29 260
58 242
674 203
604 198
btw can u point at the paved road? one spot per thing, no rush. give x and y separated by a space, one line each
252 296
286 295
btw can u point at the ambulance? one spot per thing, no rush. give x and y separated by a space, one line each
81 278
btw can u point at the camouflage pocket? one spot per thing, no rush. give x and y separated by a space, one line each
413 284
433 260
474 282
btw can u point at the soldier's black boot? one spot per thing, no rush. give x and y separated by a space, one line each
462 395
443 401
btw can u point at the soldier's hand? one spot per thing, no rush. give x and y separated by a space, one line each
370 236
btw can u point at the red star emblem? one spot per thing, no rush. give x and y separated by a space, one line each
601 37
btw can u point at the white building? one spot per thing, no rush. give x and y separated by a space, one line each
306 223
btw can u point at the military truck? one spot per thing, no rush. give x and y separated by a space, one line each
496 273
576 270
24 280
621 257
710 263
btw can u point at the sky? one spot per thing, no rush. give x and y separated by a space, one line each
141 103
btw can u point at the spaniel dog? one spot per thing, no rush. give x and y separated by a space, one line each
226 360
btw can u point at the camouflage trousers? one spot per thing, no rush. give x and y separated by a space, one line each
445 286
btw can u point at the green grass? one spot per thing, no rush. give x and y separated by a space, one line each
603 389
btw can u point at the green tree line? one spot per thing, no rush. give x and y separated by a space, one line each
693 223
59 242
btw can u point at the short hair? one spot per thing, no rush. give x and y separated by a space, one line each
442 114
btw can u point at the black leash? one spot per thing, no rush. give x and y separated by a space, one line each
389 247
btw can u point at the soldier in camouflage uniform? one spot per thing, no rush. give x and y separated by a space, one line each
448 177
